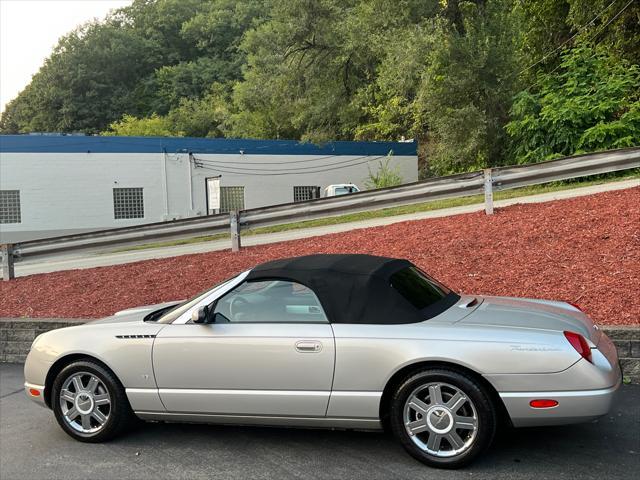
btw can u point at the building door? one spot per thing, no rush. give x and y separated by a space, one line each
212 187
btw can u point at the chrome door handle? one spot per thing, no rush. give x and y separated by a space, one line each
308 346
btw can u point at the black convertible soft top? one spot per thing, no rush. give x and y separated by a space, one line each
353 288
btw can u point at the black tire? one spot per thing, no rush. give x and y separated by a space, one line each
119 416
472 389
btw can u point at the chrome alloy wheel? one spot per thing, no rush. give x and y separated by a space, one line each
440 419
85 403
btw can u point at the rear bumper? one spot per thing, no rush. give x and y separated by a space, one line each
573 407
584 391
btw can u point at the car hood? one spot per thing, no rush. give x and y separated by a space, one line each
534 314
134 314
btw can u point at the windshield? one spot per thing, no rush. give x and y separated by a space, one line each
179 309
345 190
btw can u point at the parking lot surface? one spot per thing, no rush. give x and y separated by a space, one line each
32 446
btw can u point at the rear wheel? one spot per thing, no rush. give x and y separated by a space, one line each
443 417
89 403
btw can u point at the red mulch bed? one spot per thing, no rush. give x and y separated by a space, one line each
584 250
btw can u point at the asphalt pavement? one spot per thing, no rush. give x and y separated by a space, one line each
33 447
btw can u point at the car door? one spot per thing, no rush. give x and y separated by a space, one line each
269 350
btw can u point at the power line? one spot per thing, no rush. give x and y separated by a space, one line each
547 55
273 163
612 19
319 170
593 37
215 163
259 174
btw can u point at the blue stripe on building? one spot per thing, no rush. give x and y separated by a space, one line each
89 144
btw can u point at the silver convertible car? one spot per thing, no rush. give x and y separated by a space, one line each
337 341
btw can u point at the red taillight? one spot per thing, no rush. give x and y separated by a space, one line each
543 403
578 342
576 306
34 393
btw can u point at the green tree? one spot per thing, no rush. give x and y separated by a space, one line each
298 73
310 66
616 25
467 90
153 126
183 81
390 102
547 27
443 72
543 26
143 59
73 91
591 103
204 117
448 82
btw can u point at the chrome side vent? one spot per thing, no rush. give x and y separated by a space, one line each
135 336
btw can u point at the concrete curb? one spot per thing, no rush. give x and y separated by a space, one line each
627 341
17 334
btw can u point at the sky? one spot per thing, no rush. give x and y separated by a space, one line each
30 29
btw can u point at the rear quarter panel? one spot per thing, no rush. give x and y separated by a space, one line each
367 356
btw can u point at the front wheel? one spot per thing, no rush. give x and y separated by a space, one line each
442 417
89 403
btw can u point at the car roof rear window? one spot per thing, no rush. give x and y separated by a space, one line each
418 288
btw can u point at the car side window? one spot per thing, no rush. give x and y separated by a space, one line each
418 288
269 301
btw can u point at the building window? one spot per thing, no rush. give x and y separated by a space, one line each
231 198
128 203
10 206
304 193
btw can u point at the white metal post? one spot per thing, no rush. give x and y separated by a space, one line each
189 161
165 188
488 192
234 224
8 272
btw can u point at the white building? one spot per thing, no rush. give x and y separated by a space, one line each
57 185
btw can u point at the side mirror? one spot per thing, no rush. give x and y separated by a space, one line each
200 314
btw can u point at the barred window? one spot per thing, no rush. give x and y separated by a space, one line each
231 198
304 193
128 203
10 206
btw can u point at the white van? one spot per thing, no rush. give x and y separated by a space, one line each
340 189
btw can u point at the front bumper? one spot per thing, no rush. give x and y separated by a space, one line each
35 393
573 407
36 367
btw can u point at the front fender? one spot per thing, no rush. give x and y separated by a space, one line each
123 347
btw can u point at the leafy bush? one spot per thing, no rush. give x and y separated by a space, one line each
386 176
153 126
591 103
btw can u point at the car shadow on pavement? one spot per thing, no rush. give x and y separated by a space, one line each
529 451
